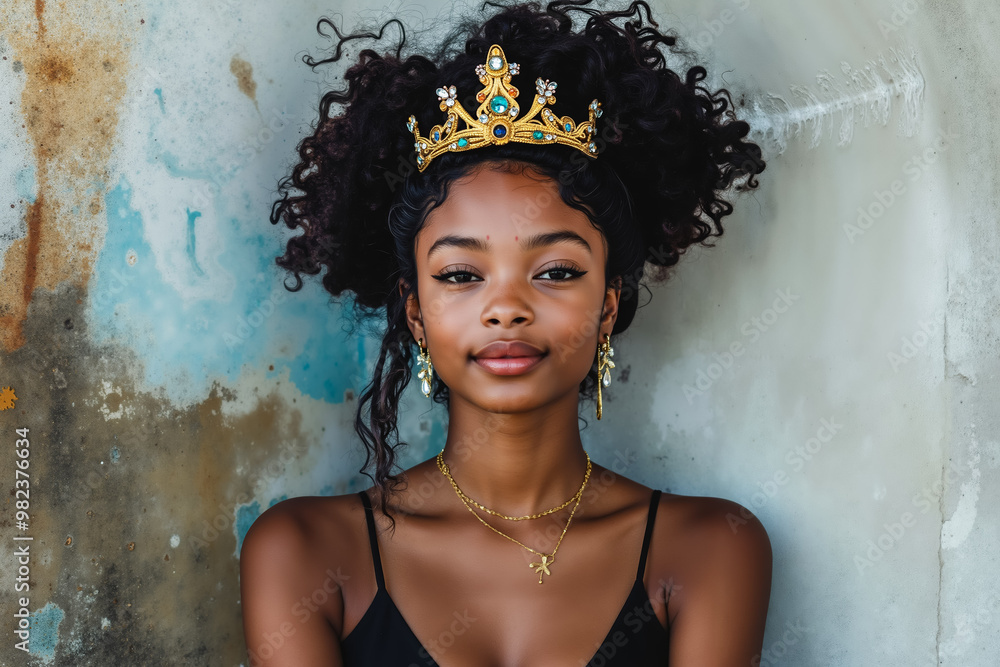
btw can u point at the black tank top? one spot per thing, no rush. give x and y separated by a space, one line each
382 637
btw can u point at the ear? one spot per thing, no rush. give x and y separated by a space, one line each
413 318
612 297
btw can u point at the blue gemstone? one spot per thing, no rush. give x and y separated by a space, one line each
500 131
567 127
462 142
498 104
436 135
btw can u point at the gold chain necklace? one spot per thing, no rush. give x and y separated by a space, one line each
447 473
541 567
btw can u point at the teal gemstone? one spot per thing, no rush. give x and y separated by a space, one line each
462 142
498 104
537 134
568 127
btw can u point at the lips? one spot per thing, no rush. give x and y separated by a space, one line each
499 349
509 357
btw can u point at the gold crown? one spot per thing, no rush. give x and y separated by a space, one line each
494 122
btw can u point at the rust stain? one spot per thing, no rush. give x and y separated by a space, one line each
243 71
39 14
75 83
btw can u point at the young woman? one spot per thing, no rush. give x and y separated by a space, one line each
504 246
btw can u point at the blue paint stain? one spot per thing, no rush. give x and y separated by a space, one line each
173 166
25 184
275 501
245 516
159 94
45 631
115 455
191 217
326 490
188 343
327 367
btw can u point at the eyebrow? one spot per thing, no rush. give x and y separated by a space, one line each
527 243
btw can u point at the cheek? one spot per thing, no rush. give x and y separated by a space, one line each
575 335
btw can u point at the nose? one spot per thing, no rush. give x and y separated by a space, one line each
506 306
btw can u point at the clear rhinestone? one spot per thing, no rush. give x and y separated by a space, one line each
483 118
450 102
425 386
541 100
606 379
513 111
442 93
548 136
423 145
496 62
453 145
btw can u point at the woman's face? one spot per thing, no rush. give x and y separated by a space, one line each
504 258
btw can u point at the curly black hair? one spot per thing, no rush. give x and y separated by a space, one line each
668 148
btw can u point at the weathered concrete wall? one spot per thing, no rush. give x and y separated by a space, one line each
831 364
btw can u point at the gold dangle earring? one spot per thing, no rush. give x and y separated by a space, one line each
604 354
427 372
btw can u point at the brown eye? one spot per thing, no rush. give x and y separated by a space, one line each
568 273
463 275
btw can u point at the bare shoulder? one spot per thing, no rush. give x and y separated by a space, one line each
717 556
299 552
309 534
301 521
718 522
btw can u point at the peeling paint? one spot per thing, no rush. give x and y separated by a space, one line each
45 632
958 527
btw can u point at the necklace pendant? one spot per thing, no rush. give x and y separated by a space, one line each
543 567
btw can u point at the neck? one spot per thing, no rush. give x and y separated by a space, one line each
516 463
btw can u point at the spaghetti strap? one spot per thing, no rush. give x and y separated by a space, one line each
653 504
370 518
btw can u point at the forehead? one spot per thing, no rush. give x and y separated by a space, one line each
502 204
